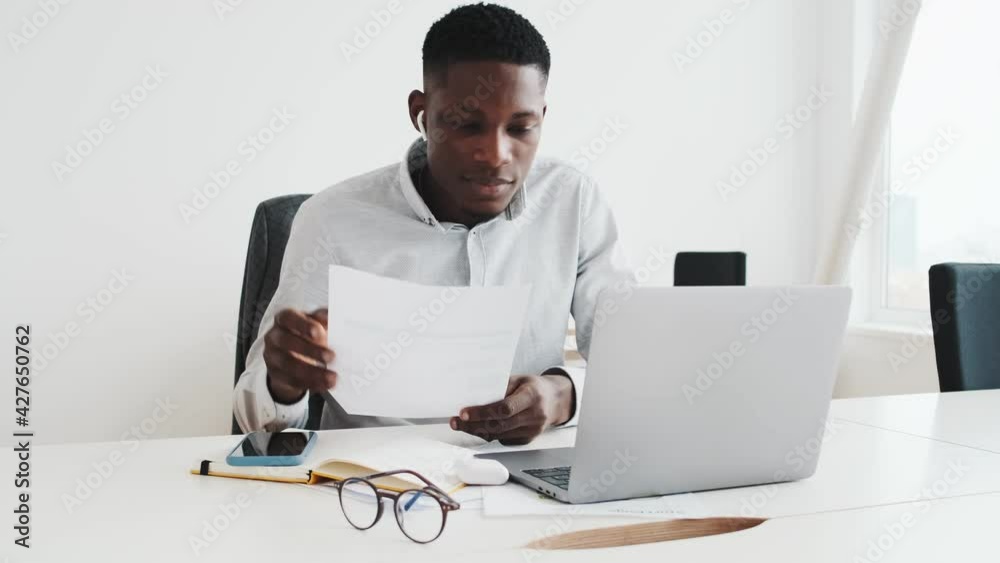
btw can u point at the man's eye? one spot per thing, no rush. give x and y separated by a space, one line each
469 127
520 130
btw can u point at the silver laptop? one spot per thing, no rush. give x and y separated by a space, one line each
697 388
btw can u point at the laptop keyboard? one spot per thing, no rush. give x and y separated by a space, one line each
558 476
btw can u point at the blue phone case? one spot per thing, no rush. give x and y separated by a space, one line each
271 461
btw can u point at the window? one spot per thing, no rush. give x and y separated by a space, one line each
940 171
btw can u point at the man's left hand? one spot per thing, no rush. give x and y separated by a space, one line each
533 403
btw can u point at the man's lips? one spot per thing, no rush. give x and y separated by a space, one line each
486 181
488 186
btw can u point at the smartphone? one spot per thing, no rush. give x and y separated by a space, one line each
272 448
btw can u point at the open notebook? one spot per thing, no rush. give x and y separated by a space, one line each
433 459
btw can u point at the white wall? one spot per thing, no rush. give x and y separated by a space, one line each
168 333
887 362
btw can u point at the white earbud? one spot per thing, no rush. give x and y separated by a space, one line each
421 126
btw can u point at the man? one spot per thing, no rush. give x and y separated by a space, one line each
469 205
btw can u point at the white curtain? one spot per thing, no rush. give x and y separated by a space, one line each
867 136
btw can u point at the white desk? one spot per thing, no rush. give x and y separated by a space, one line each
150 506
970 418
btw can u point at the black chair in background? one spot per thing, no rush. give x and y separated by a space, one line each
965 315
710 268
268 237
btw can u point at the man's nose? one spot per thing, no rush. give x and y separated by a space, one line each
494 150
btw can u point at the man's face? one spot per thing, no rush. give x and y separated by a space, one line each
483 127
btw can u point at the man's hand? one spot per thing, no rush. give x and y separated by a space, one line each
533 403
296 354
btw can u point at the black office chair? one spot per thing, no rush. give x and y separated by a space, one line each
268 237
965 315
710 268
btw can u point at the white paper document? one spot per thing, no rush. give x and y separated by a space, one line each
413 351
516 500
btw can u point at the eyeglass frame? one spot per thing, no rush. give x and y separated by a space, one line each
445 501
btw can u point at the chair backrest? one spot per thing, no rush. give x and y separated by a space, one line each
268 236
710 268
965 315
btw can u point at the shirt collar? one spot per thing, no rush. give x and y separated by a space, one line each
414 159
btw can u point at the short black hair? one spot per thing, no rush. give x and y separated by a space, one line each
483 32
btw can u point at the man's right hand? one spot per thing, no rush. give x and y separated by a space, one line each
297 356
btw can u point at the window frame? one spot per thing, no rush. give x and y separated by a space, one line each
870 265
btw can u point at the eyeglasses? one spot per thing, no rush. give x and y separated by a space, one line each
420 512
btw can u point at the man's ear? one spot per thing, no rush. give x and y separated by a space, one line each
417 102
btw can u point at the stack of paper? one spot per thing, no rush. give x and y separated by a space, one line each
516 500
